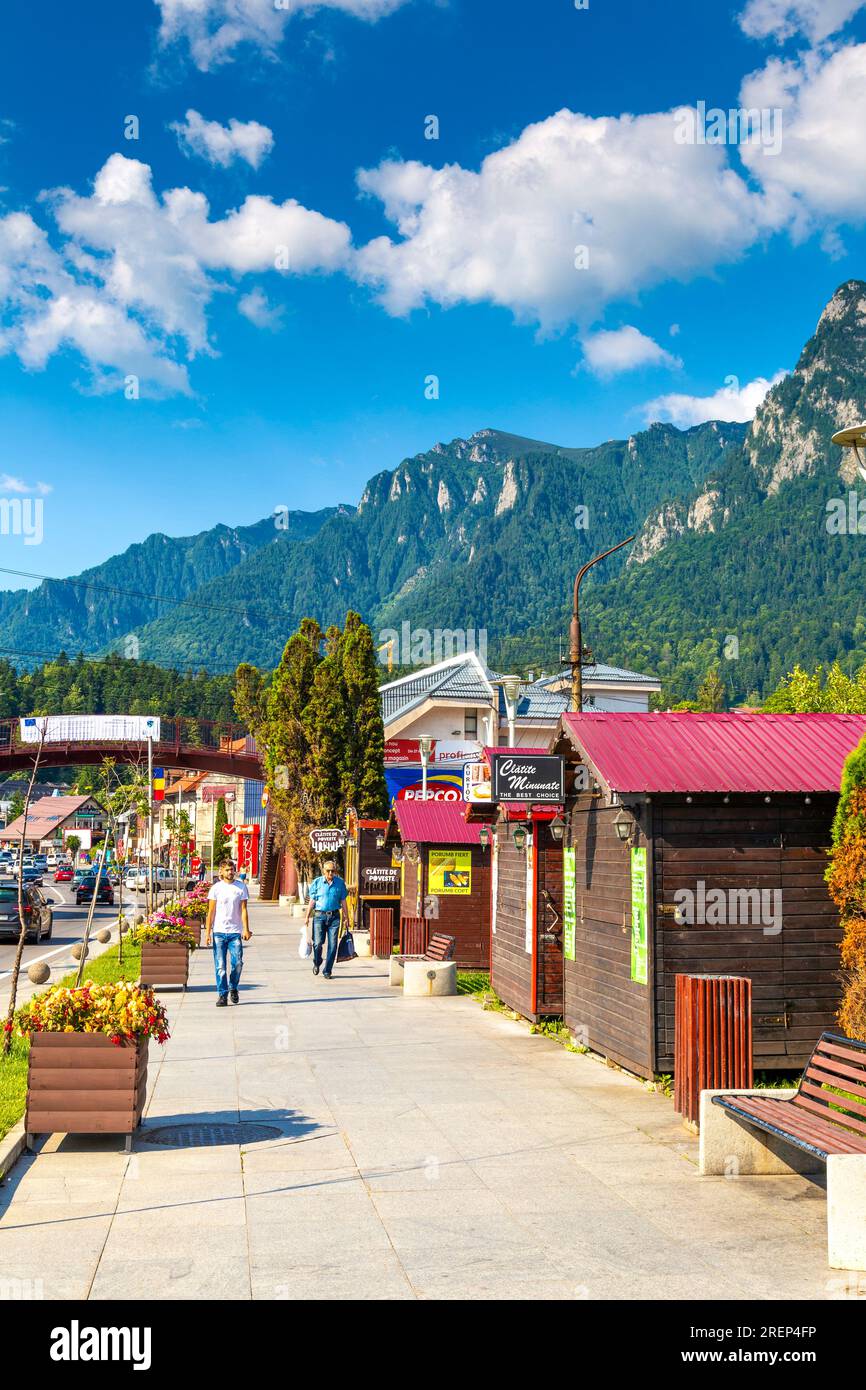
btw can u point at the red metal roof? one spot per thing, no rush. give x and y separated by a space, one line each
436 822
685 752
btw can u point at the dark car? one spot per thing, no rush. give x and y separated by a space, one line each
84 891
33 875
37 913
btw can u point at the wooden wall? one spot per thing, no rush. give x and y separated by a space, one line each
750 843
549 922
603 1006
511 963
464 916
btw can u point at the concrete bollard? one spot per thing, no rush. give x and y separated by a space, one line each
429 977
396 970
362 942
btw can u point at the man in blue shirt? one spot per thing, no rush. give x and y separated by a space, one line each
327 898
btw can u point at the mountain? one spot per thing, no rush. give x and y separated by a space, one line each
109 603
484 533
737 562
765 561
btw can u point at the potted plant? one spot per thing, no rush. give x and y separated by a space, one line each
193 908
87 1069
166 941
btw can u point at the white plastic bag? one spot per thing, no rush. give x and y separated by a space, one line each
305 948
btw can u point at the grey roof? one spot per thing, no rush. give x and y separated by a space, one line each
460 681
599 672
537 703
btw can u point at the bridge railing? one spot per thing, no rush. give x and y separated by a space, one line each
181 732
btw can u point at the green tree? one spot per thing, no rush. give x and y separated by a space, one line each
16 807
221 846
364 784
73 844
711 692
326 726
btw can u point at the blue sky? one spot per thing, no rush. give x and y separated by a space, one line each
260 386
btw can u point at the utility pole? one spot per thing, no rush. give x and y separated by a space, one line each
148 892
576 638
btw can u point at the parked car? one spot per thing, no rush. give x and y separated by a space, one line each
37 912
63 873
84 891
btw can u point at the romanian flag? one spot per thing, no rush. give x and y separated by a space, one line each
159 784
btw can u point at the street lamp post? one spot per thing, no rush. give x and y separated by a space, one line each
575 633
425 743
511 690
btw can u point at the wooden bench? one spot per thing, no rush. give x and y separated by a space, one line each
440 949
819 1124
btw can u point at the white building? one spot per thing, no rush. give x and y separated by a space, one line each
459 699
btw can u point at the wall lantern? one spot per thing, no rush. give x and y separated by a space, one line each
557 827
623 825
518 835
484 836
380 841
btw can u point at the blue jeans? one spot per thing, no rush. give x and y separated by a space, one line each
227 946
325 922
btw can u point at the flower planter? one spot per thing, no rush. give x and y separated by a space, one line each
164 963
84 1083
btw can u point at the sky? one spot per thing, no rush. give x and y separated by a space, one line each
254 252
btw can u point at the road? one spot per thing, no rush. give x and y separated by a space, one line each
69 923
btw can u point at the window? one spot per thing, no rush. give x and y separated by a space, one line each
470 725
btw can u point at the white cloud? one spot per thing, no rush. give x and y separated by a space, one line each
782 19
732 402
819 174
130 289
220 144
8 483
256 307
622 350
214 29
646 208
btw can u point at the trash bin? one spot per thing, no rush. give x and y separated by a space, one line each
712 1038
381 922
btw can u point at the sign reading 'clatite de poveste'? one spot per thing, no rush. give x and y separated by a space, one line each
533 778
327 840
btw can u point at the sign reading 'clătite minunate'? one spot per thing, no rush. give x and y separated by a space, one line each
531 778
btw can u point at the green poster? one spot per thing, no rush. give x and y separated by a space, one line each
570 906
638 916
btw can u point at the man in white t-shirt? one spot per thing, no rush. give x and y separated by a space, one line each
228 921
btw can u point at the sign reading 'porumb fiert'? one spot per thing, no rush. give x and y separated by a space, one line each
328 840
532 778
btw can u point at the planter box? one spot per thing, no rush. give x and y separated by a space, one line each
82 1083
164 963
195 928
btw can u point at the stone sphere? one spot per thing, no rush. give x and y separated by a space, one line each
78 950
103 935
39 972
139 919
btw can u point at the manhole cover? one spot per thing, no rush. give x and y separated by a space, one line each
204 1136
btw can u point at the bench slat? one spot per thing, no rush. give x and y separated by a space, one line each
804 1131
814 1079
850 1054
803 1119
801 1101
846 1077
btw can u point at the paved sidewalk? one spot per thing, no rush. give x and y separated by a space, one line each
426 1149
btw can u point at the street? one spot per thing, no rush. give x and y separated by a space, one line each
69 924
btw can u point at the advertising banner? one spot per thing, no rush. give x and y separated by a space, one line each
530 778
327 840
449 871
638 916
444 752
569 902
381 879
90 728
405 784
